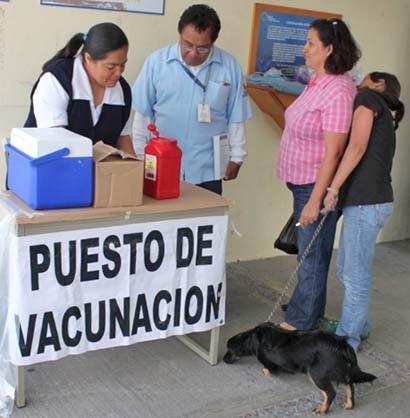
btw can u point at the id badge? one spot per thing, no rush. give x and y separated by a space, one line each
204 113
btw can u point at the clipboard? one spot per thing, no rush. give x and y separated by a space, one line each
221 155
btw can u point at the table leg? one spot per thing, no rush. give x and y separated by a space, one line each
20 390
210 356
214 346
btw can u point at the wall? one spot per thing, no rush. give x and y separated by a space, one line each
31 33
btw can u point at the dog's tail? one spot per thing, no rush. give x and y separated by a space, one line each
356 374
359 376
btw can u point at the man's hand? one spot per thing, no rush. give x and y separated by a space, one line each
232 171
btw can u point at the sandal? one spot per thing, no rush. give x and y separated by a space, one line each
332 324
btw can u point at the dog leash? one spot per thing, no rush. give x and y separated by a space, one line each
293 276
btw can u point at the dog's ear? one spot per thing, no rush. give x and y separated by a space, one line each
255 340
266 342
263 337
268 336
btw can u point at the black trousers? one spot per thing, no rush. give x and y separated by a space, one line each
213 186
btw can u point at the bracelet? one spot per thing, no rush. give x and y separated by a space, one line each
334 191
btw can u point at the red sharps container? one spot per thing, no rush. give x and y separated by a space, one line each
162 166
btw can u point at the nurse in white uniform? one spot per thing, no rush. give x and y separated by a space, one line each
81 88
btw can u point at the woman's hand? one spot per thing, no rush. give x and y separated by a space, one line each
309 214
331 199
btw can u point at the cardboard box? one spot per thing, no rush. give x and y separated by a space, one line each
118 177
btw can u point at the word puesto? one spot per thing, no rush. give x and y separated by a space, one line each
44 257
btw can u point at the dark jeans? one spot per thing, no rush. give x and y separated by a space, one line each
213 186
308 301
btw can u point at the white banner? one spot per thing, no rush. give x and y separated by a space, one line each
76 291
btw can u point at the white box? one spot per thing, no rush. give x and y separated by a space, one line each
36 142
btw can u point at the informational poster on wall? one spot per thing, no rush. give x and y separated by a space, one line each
279 34
281 40
98 288
137 6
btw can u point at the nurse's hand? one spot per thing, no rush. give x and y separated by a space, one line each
232 171
124 143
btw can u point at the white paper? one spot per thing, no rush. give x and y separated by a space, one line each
221 155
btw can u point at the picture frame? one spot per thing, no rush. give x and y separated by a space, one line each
133 6
278 34
277 39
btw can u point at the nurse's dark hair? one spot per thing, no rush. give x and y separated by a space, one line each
390 94
345 52
98 42
202 17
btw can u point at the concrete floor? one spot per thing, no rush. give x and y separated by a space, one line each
164 379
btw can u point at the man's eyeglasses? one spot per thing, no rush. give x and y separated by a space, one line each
199 49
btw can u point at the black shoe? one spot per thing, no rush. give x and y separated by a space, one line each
284 307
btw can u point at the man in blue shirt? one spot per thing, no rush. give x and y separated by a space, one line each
194 91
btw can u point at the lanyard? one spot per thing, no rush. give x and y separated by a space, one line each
195 79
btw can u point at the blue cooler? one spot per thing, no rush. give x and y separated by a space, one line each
50 168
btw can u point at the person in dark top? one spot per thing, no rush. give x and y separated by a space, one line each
366 197
85 92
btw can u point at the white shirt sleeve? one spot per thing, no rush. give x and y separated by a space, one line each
140 133
50 102
237 142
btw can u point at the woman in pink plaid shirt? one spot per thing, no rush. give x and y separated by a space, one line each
315 135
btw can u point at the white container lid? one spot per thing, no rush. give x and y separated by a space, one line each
37 142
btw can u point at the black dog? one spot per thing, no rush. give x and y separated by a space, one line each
323 356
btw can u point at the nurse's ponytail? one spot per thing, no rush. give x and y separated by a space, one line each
69 51
98 42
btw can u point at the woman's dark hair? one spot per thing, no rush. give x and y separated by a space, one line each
390 94
98 42
345 50
201 17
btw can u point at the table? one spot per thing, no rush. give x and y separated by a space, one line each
191 230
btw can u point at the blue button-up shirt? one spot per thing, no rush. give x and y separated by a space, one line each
165 92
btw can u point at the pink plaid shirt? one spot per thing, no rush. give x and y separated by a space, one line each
326 104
